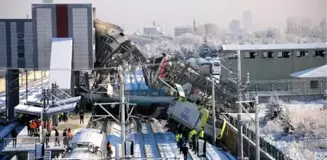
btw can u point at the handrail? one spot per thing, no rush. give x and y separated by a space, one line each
24 142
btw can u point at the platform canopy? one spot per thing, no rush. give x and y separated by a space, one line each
317 72
59 107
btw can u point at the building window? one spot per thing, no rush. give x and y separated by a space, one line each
249 55
302 53
320 53
268 55
21 55
314 84
286 54
280 55
232 56
264 54
246 55
252 55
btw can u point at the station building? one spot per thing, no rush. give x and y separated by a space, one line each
270 67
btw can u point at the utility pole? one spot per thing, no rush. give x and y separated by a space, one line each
213 110
42 112
257 131
239 115
26 84
122 111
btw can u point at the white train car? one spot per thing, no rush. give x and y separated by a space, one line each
216 65
204 65
88 144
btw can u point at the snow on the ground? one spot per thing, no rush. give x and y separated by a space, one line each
309 139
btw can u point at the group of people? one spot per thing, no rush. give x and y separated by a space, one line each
191 139
63 117
68 135
33 127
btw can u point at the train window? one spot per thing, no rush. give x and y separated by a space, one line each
320 53
270 54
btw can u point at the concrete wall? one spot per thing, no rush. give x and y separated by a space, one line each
16 45
48 22
273 68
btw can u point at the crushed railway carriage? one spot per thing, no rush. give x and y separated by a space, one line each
88 144
112 47
192 116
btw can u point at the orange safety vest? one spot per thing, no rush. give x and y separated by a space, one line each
30 124
34 125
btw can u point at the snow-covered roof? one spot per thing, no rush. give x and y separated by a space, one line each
317 72
266 47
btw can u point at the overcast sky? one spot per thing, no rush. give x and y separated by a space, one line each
133 15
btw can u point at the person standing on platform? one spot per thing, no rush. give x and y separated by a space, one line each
201 133
47 137
191 139
182 144
56 137
14 136
28 129
185 151
64 134
178 141
65 117
81 117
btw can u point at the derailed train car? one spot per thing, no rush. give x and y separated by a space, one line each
195 117
88 144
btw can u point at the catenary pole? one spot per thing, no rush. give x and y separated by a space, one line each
239 115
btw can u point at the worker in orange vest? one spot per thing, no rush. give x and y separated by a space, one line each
31 130
34 126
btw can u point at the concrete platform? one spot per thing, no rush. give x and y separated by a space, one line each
28 144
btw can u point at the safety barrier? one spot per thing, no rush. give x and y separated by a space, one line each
24 143
264 145
289 86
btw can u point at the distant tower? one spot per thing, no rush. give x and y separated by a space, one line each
154 23
247 21
194 26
